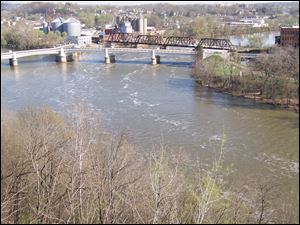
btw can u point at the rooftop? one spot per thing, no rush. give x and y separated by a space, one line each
58 19
72 20
296 27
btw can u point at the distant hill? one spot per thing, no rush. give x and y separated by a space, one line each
9 6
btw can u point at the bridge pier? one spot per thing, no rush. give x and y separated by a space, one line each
106 58
13 61
153 58
61 57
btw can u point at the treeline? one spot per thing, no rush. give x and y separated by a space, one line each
280 14
23 37
91 20
55 170
212 26
189 10
192 10
272 77
86 14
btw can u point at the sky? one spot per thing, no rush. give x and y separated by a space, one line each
151 2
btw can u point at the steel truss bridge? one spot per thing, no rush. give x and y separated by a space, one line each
175 41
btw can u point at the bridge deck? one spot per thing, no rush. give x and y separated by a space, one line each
50 51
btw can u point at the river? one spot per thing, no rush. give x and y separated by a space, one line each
267 39
162 104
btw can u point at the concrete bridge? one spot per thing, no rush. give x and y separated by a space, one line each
13 56
66 53
63 53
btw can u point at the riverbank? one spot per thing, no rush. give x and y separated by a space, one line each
272 78
292 105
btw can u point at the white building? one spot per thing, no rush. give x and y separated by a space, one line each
108 26
151 29
80 40
88 32
253 22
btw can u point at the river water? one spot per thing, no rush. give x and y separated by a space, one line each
162 104
267 39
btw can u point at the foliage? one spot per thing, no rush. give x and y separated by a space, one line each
155 21
205 26
101 20
22 37
35 8
255 41
55 170
3 41
87 19
273 76
216 65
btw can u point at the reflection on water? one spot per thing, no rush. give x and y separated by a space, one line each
267 39
16 72
64 70
162 102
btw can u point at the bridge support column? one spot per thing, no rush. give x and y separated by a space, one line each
106 58
153 58
61 57
13 61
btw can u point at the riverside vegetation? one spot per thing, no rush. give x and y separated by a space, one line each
23 37
272 77
67 170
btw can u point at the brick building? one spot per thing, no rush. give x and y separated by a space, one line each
289 36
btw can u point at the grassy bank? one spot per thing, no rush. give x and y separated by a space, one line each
57 170
271 78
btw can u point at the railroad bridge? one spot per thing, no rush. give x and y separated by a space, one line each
174 41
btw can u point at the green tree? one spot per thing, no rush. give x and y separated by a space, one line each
205 26
255 41
22 37
101 20
3 42
87 18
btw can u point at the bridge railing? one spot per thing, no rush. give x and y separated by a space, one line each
39 49
24 53
56 50
137 50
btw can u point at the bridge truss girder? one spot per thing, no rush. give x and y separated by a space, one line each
215 43
180 41
170 41
149 39
121 38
